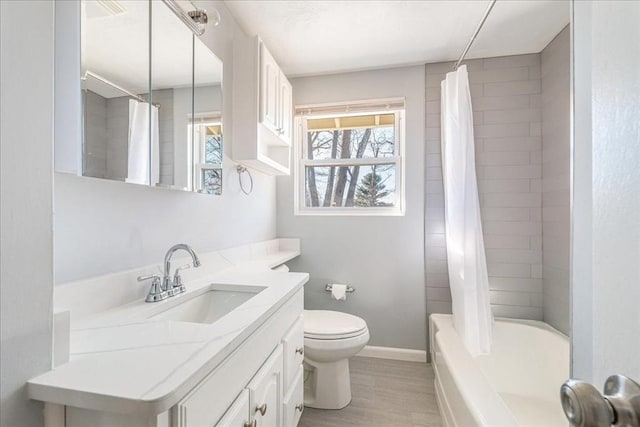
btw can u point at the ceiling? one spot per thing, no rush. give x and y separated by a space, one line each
310 37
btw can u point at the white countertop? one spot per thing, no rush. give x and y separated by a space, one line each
123 362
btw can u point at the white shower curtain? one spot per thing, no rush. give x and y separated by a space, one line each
465 245
140 151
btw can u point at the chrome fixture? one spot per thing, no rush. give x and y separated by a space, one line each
475 33
585 406
155 292
329 287
241 169
167 286
174 286
194 18
200 16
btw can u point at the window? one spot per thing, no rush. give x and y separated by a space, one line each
207 153
349 159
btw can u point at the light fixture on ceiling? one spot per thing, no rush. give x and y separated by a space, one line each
202 17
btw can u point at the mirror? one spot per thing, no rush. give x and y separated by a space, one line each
151 116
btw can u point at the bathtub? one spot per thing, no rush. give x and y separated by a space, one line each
518 384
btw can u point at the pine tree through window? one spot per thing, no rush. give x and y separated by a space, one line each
350 158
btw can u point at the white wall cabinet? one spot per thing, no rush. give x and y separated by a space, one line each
247 389
262 109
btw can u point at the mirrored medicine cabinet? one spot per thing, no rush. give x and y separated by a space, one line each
152 97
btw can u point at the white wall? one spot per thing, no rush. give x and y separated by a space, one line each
382 257
26 280
556 159
606 198
104 226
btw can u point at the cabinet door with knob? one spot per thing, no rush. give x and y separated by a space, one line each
265 392
293 348
294 401
238 414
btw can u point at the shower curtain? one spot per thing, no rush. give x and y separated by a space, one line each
466 258
141 152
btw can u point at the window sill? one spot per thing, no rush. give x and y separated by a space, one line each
349 212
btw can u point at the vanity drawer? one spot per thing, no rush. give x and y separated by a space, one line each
293 348
294 400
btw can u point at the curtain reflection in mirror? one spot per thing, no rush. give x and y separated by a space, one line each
143 160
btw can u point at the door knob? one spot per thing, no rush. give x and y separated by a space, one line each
585 406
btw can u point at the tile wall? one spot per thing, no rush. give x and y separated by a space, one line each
506 100
556 98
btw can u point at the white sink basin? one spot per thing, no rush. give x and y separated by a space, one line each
209 306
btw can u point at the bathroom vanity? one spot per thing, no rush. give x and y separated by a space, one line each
226 352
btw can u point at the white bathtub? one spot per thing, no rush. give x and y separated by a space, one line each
518 384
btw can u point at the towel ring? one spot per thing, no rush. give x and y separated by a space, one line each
241 170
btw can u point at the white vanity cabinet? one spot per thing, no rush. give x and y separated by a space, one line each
262 109
256 385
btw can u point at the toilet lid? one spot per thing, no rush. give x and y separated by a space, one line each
325 324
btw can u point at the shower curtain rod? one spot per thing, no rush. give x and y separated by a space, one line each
113 85
475 34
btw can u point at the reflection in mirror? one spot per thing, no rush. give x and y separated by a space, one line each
115 78
176 142
186 79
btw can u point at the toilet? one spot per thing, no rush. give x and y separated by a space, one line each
330 339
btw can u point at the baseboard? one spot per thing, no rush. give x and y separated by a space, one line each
393 353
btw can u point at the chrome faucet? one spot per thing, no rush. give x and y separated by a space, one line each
174 286
167 286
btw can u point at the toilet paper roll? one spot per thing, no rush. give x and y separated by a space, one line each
281 267
339 292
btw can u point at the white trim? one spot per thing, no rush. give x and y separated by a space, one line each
301 162
351 108
406 354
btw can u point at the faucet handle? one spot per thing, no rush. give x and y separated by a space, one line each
155 292
184 267
178 284
149 277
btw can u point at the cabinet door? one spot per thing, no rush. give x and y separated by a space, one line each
286 108
269 90
238 414
293 349
294 401
265 391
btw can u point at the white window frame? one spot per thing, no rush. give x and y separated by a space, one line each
301 160
198 146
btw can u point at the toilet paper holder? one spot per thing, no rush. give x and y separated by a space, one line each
329 287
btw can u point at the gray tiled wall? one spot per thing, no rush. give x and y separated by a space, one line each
555 180
118 137
506 100
165 138
95 135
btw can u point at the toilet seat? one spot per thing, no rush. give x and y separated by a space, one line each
332 325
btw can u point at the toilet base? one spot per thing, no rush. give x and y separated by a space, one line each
329 385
